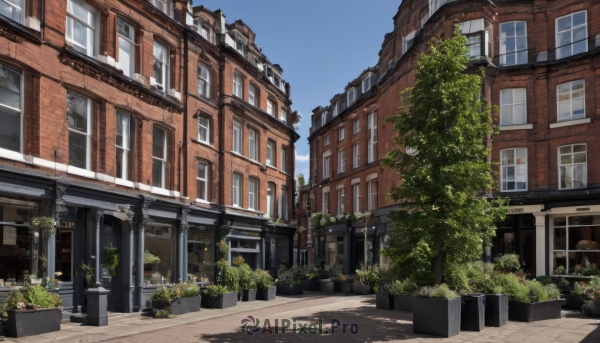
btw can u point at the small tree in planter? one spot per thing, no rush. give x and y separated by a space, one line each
311 273
247 282
529 300
33 312
217 296
436 311
482 279
381 280
325 281
402 291
291 282
265 285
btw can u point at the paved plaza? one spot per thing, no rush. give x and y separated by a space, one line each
373 325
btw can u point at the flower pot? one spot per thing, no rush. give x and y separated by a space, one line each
591 309
573 302
346 287
266 294
529 312
437 317
403 302
33 322
248 294
326 286
496 310
360 289
312 285
384 300
222 301
472 312
185 305
290 290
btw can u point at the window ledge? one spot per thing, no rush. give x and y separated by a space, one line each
123 182
285 173
516 127
202 201
272 167
163 191
571 122
81 172
203 143
15 156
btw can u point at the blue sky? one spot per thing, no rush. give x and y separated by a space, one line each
320 44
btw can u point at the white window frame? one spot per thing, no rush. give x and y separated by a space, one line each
356 197
326 140
252 194
204 127
130 41
252 144
270 198
236 195
87 134
270 153
341 200
252 95
325 202
270 108
335 109
20 7
570 100
341 134
341 161
326 163
559 48
324 118
283 213
127 120
351 96
356 126
202 179
571 165
408 41
372 191
355 156
509 110
238 85
237 137
283 115
165 75
520 170
284 159
517 53
240 45
435 5
163 161
366 82
205 79
372 140
12 110
90 26
163 6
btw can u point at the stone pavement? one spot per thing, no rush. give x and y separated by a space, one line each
373 325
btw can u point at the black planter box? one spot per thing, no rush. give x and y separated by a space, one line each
290 290
326 286
266 294
337 286
529 312
346 287
357 288
224 300
573 302
312 286
33 322
185 305
403 302
437 317
384 301
472 313
248 294
496 310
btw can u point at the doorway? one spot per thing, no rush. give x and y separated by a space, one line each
110 236
517 235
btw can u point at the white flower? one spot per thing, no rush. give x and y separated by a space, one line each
20 305
340 216
323 222
333 220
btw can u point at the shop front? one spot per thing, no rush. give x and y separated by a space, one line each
279 240
246 238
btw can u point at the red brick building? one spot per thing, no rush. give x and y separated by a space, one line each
119 121
539 59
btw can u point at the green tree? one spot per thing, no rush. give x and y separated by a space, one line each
301 181
444 214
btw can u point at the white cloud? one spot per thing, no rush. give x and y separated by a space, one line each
302 158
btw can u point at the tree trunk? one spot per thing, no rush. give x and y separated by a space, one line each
438 268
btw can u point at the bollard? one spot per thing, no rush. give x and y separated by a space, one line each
97 303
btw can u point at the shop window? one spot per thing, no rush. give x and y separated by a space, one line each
575 245
334 248
200 254
64 256
158 241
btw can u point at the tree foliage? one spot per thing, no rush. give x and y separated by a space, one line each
444 215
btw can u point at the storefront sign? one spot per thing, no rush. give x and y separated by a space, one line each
516 210
581 209
67 224
9 235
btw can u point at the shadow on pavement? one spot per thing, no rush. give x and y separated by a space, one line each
373 325
594 336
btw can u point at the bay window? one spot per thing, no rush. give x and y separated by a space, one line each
513 43
126 38
161 66
513 106
202 181
125 142
571 100
81 27
11 109
571 34
159 157
79 118
513 169
572 166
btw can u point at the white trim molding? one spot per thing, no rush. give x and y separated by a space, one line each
355 181
571 122
125 183
372 176
143 187
325 189
340 186
575 209
516 127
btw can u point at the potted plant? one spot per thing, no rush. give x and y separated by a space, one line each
529 300
402 292
493 309
217 296
325 282
231 279
247 283
590 297
380 280
312 272
290 282
86 272
111 258
265 285
364 280
346 282
33 312
436 311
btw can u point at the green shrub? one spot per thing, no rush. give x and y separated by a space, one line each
560 270
264 280
150 258
162 314
247 277
111 258
508 263
162 297
562 283
544 280
37 295
438 292
455 277
231 279
12 299
405 287
214 291
527 291
186 290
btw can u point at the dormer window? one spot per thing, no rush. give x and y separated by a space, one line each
408 41
366 83
335 109
162 5
240 45
323 118
351 96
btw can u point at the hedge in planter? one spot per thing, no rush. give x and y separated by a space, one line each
216 296
33 312
437 311
247 283
180 299
312 273
482 279
529 300
265 285
291 282
402 294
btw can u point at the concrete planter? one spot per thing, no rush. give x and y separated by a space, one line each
530 312
357 288
403 302
224 300
326 286
437 317
33 322
472 313
573 302
185 305
266 294
248 294
312 285
290 290
591 309
384 301
496 310
346 287
337 286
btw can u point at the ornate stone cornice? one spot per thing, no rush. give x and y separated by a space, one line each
90 67
59 201
16 32
183 218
